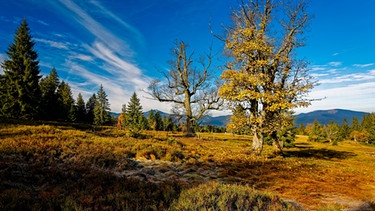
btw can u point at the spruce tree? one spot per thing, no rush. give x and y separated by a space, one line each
158 121
134 114
48 86
80 109
151 120
65 102
90 105
344 129
101 110
22 74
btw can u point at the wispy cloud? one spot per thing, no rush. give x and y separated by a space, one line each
335 64
364 65
55 44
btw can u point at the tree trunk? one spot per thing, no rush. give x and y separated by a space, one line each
189 128
277 145
257 147
189 124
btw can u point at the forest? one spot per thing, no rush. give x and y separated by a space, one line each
61 153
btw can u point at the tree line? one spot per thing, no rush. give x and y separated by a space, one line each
362 132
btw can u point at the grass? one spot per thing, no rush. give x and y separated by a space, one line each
57 166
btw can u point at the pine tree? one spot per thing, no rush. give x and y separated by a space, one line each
159 126
80 109
344 129
48 86
21 72
169 124
65 102
151 120
101 110
356 126
90 105
316 133
368 125
133 114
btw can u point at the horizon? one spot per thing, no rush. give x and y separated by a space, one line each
124 45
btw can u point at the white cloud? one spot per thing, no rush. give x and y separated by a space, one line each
364 65
335 64
59 45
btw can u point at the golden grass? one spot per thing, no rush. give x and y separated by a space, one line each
315 175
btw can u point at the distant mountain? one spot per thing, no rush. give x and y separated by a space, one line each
325 116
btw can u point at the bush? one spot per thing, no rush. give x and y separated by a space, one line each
216 196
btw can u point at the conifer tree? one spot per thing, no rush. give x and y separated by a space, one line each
344 129
169 124
90 105
101 110
356 126
133 114
159 126
316 133
151 120
80 109
48 86
22 74
65 102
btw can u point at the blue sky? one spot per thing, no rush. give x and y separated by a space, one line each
125 44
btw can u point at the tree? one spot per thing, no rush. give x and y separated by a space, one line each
264 74
22 74
133 115
80 109
65 102
101 109
48 87
316 133
239 121
90 105
332 131
344 129
151 120
301 129
355 125
192 90
168 124
368 124
159 124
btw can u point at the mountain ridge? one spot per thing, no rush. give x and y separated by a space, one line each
323 116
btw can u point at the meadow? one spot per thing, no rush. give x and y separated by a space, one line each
55 166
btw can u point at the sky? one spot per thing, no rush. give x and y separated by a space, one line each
124 45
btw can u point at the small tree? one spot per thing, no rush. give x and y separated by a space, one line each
192 90
159 124
22 74
344 130
151 120
66 111
239 121
90 105
133 115
101 110
80 109
48 86
316 133
332 132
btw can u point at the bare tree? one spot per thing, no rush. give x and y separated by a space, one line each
192 90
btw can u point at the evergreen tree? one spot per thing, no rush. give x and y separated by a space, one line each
65 102
316 133
368 125
133 114
48 86
80 109
169 124
356 126
90 105
151 120
159 126
101 109
344 130
332 132
21 72
301 129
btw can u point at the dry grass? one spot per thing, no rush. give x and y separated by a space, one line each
314 175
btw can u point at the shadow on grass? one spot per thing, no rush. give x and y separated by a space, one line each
324 154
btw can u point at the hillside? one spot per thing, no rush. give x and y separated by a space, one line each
325 116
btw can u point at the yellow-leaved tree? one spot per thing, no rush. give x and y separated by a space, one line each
263 74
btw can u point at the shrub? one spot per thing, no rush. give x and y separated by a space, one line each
216 196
